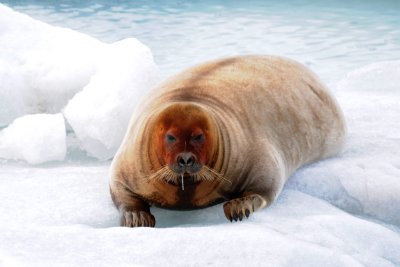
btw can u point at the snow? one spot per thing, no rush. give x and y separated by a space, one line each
47 69
100 113
343 211
370 78
366 176
34 138
71 221
37 63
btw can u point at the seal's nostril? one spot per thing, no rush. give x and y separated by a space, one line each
181 161
186 159
190 161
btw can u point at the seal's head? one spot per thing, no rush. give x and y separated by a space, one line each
184 141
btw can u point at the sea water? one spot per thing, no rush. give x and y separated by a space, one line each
331 37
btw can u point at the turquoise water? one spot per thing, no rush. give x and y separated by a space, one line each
332 38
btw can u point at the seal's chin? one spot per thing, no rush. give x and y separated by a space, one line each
185 179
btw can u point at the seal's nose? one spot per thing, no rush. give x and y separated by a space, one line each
186 159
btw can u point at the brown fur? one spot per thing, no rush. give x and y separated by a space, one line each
262 117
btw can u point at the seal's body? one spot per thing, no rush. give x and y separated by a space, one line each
229 130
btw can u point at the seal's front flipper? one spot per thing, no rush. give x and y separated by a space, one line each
133 211
238 208
137 219
136 213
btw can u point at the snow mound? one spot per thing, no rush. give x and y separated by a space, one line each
382 77
100 113
364 179
41 66
46 69
35 138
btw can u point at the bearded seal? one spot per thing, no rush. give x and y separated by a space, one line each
228 130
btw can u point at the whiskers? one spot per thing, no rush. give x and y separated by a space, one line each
166 174
205 174
208 174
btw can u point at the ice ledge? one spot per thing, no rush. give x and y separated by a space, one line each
47 69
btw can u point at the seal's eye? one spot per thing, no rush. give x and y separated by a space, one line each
199 138
170 138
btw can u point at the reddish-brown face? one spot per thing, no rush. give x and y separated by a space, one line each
184 138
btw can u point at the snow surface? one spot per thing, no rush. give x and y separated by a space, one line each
343 211
99 114
35 138
45 68
367 174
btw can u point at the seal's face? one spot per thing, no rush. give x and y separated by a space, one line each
184 141
184 137
184 148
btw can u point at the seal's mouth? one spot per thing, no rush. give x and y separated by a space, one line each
186 174
187 177
186 170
